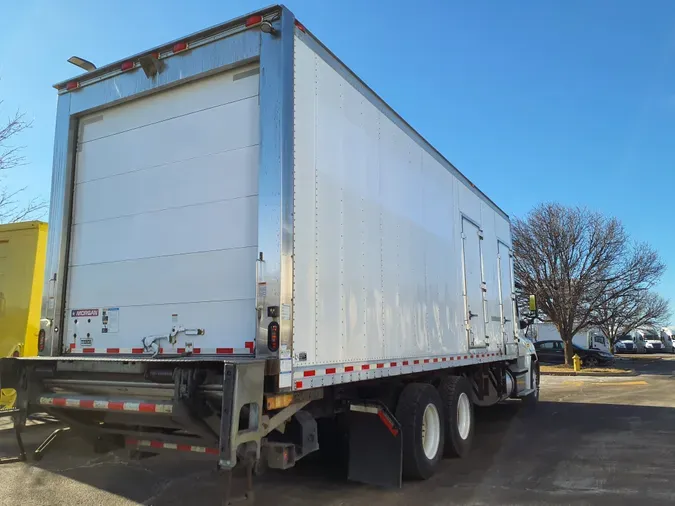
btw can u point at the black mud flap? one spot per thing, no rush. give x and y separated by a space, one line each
375 445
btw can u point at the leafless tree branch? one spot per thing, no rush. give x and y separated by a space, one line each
11 209
573 260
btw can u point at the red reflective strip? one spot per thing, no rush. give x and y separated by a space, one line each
127 65
58 401
212 451
112 350
349 368
465 357
452 358
435 360
88 404
387 423
156 444
365 367
136 350
444 359
116 406
250 345
392 364
298 384
309 373
146 407
180 350
228 351
88 350
184 448
416 361
380 366
405 362
426 360
72 346
330 370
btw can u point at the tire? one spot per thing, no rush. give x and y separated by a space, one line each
531 400
591 362
458 435
420 412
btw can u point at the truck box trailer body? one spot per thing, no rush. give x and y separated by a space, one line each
245 237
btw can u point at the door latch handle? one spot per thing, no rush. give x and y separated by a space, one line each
472 315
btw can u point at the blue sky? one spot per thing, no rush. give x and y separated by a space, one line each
534 101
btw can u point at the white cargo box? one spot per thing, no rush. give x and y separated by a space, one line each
244 193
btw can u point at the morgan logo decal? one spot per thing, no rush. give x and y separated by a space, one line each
83 313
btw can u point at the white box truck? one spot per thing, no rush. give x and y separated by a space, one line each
245 242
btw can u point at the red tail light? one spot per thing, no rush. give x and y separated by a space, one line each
72 85
273 336
127 65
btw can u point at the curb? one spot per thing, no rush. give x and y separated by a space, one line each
596 374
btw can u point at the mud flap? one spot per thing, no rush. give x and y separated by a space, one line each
375 445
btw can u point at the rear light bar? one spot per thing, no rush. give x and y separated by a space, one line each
178 47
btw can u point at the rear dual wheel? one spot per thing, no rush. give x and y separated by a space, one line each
434 423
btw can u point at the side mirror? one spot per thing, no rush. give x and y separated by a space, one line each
533 303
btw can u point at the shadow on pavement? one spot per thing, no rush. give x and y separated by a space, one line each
563 451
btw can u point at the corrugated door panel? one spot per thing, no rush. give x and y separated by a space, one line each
165 219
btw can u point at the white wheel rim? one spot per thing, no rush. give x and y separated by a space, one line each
463 416
431 431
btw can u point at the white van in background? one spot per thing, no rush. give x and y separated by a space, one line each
651 340
667 338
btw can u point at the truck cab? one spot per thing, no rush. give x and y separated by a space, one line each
667 339
650 340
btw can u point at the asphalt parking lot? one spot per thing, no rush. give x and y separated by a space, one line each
592 440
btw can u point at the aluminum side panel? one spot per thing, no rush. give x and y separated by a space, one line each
377 231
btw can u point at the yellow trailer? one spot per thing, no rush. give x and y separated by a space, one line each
22 265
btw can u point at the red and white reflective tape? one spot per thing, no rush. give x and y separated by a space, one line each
344 373
249 349
159 445
105 405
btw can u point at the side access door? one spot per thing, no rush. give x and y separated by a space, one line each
506 295
474 285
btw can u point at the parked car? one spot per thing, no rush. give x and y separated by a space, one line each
553 352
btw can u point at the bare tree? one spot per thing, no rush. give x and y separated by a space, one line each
573 259
11 208
621 315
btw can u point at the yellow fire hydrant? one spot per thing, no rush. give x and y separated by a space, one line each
576 360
